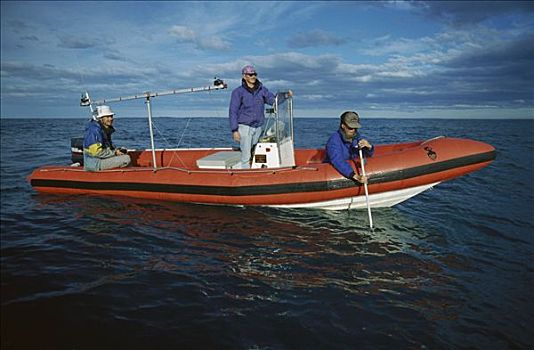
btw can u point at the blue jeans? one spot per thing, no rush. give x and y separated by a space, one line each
249 139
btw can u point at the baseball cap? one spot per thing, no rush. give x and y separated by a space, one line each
351 119
248 70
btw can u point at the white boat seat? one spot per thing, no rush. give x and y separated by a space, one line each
220 160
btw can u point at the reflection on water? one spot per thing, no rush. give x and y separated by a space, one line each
263 250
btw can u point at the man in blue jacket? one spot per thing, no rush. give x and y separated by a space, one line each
98 150
343 145
247 112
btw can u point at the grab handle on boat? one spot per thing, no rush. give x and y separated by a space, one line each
432 139
362 161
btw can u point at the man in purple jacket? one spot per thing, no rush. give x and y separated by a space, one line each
247 113
343 145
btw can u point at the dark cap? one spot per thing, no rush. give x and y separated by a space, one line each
351 119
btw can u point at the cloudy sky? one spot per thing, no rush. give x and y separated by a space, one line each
384 59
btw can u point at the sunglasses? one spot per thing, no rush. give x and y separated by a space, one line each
349 128
251 74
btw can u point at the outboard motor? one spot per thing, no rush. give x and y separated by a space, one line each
76 150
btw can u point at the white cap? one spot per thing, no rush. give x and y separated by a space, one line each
102 111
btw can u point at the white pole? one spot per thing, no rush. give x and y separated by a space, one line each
151 131
220 85
362 161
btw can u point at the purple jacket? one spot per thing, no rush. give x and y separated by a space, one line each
247 106
338 151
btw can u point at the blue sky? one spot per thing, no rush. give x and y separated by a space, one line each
383 59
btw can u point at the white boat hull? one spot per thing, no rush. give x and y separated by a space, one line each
377 200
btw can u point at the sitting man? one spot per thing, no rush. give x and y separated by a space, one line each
98 151
343 145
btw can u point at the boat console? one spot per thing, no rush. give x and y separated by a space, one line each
275 148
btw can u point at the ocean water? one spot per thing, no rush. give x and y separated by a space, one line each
451 268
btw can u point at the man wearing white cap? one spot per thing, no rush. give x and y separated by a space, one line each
98 150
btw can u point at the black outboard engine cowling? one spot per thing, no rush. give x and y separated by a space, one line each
76 149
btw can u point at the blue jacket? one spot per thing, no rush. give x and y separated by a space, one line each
339 151
96 145
247 106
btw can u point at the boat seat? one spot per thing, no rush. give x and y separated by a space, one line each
220 160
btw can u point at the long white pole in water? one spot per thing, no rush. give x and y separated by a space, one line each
362 161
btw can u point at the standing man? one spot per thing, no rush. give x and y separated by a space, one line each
98 150
247 113
343 145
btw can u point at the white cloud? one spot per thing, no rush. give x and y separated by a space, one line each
213 43
314 38
184 34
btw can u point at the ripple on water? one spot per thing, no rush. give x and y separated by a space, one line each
450 268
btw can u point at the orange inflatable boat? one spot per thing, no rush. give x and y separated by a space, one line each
281 176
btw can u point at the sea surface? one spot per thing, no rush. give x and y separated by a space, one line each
451 268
